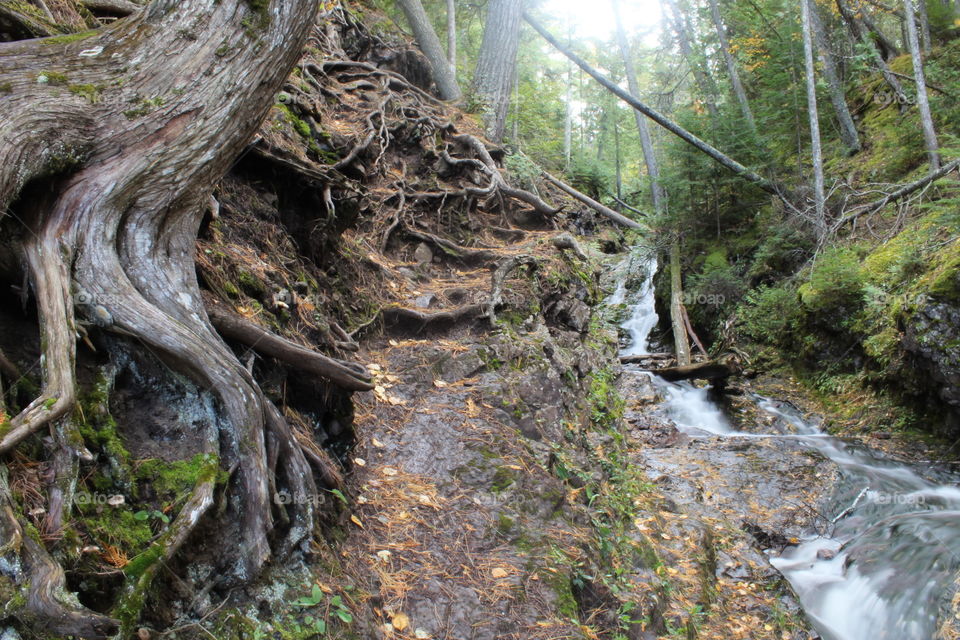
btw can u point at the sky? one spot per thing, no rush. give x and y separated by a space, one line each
594 18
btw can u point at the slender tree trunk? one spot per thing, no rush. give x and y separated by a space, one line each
497 63
452 35
568 119
926 119
812 113
848 130
859 34
643 129
708 88
732 71
429 43
926 38
681 345
659 118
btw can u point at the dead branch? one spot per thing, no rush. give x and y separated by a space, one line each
8 369
690 331
646 357
496 281
27 21
719 369
346 374
115 7
603 210
898 194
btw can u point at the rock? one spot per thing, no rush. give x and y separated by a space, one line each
425 301
423 254
826 554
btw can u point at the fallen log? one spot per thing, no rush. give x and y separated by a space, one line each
646 357
723 367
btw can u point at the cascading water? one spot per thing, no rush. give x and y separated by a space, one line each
892 547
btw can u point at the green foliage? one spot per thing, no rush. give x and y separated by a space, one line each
768 315
835 289
589 176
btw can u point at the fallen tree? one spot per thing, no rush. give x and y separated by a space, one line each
713 370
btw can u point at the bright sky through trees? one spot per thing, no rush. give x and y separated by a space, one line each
594 18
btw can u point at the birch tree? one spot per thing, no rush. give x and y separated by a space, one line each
814 118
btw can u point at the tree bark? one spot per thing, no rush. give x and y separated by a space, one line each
452 36
702 77
923 103
128 186
493 77
429 43
660 119
848 130
602 209
732 71
814 118
681 345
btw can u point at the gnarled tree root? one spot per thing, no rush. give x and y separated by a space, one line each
345 374
421 321
28 567
497 279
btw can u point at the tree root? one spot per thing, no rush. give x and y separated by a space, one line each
501 273
453 250
566 242
29 567
52 285
347 375
394 316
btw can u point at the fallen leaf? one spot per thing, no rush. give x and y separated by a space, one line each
360 462
355 520
389 471
400 621
499 573
439 384
377 444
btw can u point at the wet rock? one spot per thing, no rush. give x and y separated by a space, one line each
423 254
826 554
932 339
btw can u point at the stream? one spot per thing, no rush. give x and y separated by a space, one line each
887 548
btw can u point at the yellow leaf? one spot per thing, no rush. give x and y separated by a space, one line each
400 621
439 384
355 520
499 573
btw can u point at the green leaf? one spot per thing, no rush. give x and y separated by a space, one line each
344 615
336 601
339 495
141 515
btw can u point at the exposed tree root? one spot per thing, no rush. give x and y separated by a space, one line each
455 251
566 242
347 375
422 321
52 285
26 565
497 279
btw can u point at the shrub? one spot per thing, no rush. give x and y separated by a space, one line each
835 290
768 315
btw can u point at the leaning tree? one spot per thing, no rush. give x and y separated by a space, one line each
111 142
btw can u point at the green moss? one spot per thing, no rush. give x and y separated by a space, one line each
69 38
89 91
502 479
143 107
559 582
52 78
115 525
251 285
6 87
259 18
175 480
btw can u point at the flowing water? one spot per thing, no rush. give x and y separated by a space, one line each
891 547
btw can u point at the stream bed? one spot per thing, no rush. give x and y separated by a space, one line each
877 554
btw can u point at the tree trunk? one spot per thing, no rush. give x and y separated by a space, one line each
181 87
702 77
814 117
497 63
452 36
680 343
429 43
657 193
660 119
848 130
926 39
923 103
859 34
732 71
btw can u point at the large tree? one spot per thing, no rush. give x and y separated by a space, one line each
444 74
116 138
497 63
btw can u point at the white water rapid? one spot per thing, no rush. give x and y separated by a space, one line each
892 547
